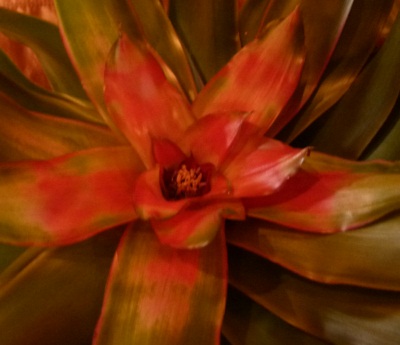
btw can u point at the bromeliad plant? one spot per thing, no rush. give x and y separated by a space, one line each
157 133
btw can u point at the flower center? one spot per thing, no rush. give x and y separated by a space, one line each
186 181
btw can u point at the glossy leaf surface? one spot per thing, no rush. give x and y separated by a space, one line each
161 34
336 314
141 101
331 195
353 123
259 79
356 43
352 258
70 198
156 294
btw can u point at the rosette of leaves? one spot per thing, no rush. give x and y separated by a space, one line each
314 262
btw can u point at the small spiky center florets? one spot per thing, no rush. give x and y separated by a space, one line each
186 181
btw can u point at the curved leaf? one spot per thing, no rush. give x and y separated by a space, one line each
260 78
255 15
359 115
141 101
26 135
330 195
208 30
44 38
322 28
352 258
161 34
337 314
357 42
247 323
159 295
67 199
85 21
53 296
14 84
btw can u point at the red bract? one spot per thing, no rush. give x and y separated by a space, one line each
197 170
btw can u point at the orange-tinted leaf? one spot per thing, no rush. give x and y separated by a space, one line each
160 295
329 195
264 170
260 78
197 225
141 101
69 198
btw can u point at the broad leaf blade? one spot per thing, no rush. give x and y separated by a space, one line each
352 258
160 295
247 323
26 135
162 36
260 78
330 195
357 42
67 199
336 314
360 114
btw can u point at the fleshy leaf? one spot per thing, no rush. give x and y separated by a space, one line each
352 257
330 195
44 38
335 314
210 138
367 104
17 86
264 170
260 78
27 135
357 41
162 36
196 226
141 101
160 295
53 295
69 198
248 323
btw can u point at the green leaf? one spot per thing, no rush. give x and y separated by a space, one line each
7 255
162 36
336 314
26 135
359 115
357 42
257 14
353 257
331 195
14 84
322 28
44 39
83 22
160 295
247 323
208 30
386 144
53 296
67 199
